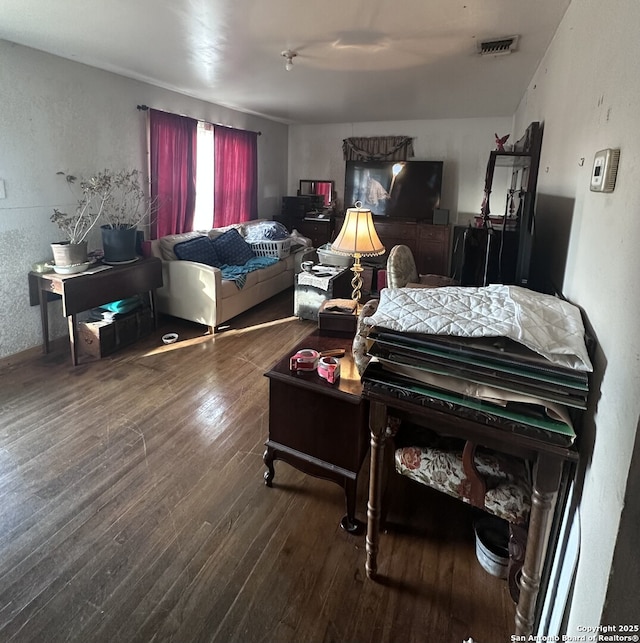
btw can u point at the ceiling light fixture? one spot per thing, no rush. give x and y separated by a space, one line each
288 55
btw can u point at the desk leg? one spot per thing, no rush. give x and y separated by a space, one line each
377 426
44 319
547 474
72 319
154 310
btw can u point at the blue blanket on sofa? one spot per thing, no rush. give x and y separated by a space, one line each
239 273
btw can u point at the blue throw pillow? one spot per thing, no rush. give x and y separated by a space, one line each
232 249
199 249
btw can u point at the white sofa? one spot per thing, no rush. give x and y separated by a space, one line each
197 292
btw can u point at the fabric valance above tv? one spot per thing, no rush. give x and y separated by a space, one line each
377 148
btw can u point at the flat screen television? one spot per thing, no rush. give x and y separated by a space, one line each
401 189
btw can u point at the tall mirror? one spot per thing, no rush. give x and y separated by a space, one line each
317 186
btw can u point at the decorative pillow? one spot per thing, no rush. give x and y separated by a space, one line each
200 249
232 249
214 233
168 243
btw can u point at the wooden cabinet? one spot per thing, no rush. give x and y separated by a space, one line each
317 427
429 243
432 254
318 230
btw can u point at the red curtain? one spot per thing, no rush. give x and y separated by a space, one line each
173 172
235 175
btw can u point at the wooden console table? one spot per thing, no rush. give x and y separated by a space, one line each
549 462
84 291
317 427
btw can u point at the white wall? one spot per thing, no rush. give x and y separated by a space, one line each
587 92
59 115
315 152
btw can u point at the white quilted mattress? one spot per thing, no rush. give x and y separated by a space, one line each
545 324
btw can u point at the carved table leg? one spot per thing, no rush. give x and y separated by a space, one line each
517 549
377 426
267 458
546 482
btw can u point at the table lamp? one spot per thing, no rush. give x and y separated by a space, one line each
357 238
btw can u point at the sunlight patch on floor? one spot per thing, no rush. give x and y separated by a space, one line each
223 332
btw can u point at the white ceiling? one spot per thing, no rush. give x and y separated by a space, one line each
358 60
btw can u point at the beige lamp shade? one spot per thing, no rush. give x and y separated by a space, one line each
358 235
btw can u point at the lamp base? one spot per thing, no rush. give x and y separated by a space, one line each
356 281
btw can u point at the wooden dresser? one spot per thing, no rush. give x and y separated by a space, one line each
429 243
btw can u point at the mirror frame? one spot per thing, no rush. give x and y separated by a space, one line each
309 186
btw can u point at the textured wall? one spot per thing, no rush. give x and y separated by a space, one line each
59 115
587 91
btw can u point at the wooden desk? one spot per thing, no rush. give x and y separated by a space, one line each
85 291
317 427
549 461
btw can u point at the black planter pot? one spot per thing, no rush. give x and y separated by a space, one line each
119 244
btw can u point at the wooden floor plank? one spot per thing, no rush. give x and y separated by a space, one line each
133 508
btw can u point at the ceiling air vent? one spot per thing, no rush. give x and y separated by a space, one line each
498 47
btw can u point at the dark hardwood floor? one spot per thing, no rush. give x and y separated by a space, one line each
133 508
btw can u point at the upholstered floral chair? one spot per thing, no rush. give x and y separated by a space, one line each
497 483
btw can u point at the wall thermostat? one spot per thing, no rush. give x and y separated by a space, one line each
605 170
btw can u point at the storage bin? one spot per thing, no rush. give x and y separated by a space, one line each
492 545
279 249
329 258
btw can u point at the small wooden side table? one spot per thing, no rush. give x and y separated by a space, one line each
311 290
317 427
87 290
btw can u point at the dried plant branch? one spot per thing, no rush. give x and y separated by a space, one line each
115 198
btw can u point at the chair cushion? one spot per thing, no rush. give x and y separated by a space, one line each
232 249
508 493
200 249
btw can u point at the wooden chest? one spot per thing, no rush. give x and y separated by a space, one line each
101 338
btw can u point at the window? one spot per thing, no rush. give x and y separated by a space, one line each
203 175
203 216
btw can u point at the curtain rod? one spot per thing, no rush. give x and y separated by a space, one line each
144 108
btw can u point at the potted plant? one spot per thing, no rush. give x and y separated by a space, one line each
127 207
76 225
